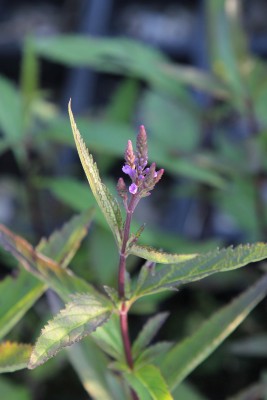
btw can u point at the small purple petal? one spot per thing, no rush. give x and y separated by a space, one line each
133 188
155 174
127 169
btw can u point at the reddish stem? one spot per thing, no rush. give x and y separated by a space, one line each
125 334
121 288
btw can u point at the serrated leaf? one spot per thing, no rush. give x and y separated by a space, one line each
148 332
188 354
61 280
18 294
151 254
201 266
91 370
83 315
148 383
14 356
112 294
63 244
107 203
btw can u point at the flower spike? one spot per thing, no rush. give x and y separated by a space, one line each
143 178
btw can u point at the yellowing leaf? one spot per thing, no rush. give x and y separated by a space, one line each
107 203
14 356
154 255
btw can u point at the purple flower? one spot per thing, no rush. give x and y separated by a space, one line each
129 171
133 188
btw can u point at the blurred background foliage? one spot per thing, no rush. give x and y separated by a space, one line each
194 73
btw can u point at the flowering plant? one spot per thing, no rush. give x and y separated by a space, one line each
109 365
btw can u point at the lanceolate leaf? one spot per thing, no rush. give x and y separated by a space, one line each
61 280
107 203
153 354
148 332
18 294
14 356
201 266
62 245
89 362
158 256
188 354
80 318
148 383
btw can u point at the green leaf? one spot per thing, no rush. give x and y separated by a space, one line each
108 338
107 203
188 354
14 356
196 78
148 383
148 333
153 353
186 391
163 114
17 295
90 364
127 57
224 58
83 315
69 191
151 254
91 370
123 101
10 122
62 281
201 266
29 77
63 244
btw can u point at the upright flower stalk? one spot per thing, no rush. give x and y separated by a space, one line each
143 180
